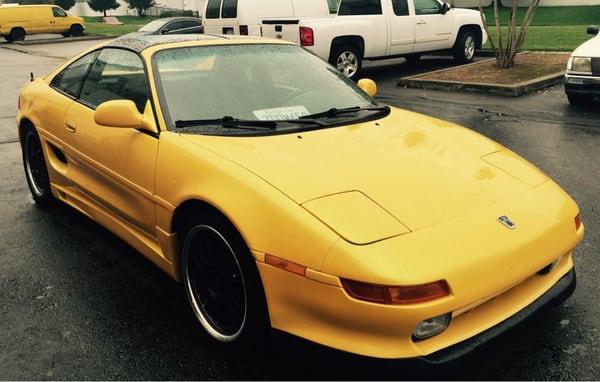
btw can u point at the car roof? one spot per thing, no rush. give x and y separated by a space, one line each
173 18
140 42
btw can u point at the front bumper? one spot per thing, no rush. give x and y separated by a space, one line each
582 85
562 290
317 309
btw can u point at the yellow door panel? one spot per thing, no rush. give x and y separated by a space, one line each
115 167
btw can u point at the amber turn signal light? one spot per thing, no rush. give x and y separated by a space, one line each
396 295
285 265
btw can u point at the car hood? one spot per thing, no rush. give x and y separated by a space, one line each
419 170
590 48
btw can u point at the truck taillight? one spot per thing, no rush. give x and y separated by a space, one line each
307 36
244 30
19 103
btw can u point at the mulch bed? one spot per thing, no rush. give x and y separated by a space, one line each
528 66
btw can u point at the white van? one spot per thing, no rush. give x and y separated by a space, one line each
249 17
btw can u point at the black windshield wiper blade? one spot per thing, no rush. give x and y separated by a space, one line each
227 121
334 112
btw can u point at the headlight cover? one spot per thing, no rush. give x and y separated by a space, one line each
580 65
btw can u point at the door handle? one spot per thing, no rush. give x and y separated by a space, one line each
71 126
422 22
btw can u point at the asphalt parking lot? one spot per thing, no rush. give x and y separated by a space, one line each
78 303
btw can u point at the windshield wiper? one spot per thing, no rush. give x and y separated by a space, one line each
230 122
335 112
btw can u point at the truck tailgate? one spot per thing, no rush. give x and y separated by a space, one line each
282 29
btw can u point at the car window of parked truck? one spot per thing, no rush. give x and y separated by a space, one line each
400 7
427 7
360 7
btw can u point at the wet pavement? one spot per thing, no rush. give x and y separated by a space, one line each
78 303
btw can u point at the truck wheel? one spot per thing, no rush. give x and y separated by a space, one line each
76 30
66 34
17 34
347 59
464 49
8 39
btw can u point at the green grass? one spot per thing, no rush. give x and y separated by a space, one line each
582 15
552 28
550 38
130 24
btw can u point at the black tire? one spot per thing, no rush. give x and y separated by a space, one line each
36 170
17 34
465 47
76 30
579 100
66 34
217 271
8 39
347 59
413 58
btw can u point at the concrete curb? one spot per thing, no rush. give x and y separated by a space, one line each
62 40
515 90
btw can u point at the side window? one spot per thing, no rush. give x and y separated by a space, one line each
71 78
58 12
427 7
360 7
229 10
174 26
213 9
116 74
333 6
400 7
191 24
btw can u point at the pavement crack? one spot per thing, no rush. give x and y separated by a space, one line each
8 142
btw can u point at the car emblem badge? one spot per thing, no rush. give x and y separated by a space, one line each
279 36
505 220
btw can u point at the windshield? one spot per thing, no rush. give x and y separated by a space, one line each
152 26
251 82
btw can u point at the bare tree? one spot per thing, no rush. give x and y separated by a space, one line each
506 53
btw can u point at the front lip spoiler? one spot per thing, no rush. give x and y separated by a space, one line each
556 295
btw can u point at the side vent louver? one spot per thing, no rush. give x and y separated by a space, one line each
57 79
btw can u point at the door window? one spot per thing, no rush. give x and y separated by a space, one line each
229 10
360 7
71 78
116 74
58 12
427 7
400 7
173 27
213 9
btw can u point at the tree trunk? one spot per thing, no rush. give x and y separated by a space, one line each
505 54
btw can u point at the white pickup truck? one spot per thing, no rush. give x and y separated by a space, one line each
359 30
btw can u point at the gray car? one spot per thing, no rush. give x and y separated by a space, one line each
173 25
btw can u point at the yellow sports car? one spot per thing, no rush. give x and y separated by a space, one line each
282 195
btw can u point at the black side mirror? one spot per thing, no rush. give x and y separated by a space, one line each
444 8
593 30
165 31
